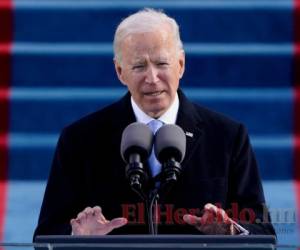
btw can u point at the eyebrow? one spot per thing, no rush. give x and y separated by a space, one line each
138 61
164 58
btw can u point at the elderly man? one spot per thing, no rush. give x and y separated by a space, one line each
219 190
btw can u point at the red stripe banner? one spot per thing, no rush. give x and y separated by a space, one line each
6 30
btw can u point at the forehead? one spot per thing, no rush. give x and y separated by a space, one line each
155 44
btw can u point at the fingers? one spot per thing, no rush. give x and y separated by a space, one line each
213 221
98 214
90 213
75 227
213 213
192 219
81 217
118 222
91 221
210 214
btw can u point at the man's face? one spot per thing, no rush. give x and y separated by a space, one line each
151 66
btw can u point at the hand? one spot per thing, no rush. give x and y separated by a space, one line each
213 221
91 221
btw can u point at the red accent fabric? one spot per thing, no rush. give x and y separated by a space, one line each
6 21
6 37
5 62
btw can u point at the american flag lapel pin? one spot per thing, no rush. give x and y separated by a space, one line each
189 134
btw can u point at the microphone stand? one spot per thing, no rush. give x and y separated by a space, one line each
135 174
153 218
171 171
134 171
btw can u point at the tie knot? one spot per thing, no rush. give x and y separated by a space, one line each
154 125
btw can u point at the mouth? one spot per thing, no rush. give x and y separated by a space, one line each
154 93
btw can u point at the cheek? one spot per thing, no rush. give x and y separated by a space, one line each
165 77
136 80
133 82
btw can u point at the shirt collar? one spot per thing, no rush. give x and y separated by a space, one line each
169 117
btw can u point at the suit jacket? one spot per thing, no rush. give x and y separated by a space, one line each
219 168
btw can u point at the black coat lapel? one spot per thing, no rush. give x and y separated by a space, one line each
192 124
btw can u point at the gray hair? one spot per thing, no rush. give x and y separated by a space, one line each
145 20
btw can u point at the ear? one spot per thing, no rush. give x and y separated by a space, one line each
181 63
119 71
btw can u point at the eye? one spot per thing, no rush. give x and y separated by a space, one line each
139 66
162 64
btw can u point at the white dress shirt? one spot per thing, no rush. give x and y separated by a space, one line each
169 117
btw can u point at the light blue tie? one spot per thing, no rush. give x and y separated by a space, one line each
154 164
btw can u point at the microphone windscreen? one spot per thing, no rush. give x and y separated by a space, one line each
136 138
170 141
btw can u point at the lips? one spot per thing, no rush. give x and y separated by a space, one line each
153 93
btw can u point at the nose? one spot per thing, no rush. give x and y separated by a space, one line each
152 75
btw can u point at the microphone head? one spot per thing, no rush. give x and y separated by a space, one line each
136 139
170 142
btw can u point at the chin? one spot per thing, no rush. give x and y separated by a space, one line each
157 108
156 113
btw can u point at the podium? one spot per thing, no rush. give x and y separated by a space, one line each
150 242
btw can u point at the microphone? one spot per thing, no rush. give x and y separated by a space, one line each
136 146
170 146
